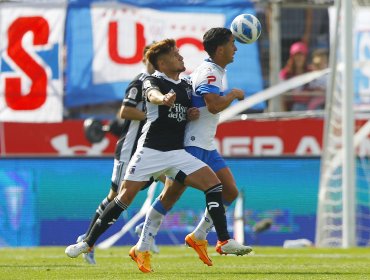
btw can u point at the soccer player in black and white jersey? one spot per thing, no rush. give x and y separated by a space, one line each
208 96
132 111
161 150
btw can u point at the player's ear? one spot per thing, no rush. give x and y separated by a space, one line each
160 62
220 50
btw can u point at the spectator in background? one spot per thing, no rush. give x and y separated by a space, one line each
318 86
296 25
296 65
309 25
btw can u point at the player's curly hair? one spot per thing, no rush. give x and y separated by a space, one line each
215 37
159 48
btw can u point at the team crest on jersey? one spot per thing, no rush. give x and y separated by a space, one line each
189 92
147 84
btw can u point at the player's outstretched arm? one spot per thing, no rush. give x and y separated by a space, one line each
156 97
216 104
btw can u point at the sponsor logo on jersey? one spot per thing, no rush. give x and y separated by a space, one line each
178 112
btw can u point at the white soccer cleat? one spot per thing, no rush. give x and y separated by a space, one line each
153 247
73 251
232 247
89 257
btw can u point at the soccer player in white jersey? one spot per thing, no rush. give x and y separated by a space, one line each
161 150
209 97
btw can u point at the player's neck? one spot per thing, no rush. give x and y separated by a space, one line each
172 75
220 62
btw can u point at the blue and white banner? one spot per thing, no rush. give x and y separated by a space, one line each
105 42
362 58
361 54
90 50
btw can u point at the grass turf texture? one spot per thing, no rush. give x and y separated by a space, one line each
178 262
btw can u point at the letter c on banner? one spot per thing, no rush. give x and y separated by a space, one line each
36 97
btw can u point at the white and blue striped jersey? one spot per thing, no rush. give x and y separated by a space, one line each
206 79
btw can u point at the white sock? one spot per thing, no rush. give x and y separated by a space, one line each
153 221
205 226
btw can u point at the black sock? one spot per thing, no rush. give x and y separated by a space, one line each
106 219
217 211
98 212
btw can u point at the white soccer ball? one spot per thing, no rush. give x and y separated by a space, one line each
246 28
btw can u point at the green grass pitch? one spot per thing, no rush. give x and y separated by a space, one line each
179 262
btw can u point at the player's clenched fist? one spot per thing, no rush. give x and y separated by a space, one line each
169 99
193 114
238 93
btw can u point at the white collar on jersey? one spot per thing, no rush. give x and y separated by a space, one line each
164 76
218 66
144 71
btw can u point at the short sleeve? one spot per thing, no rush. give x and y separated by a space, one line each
150 83
133 94
209 81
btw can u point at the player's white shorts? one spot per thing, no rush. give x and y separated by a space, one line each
118 173
147 163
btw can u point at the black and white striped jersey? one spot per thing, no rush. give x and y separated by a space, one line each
127 143
165 127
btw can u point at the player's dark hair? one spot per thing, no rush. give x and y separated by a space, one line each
214 38
159 48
